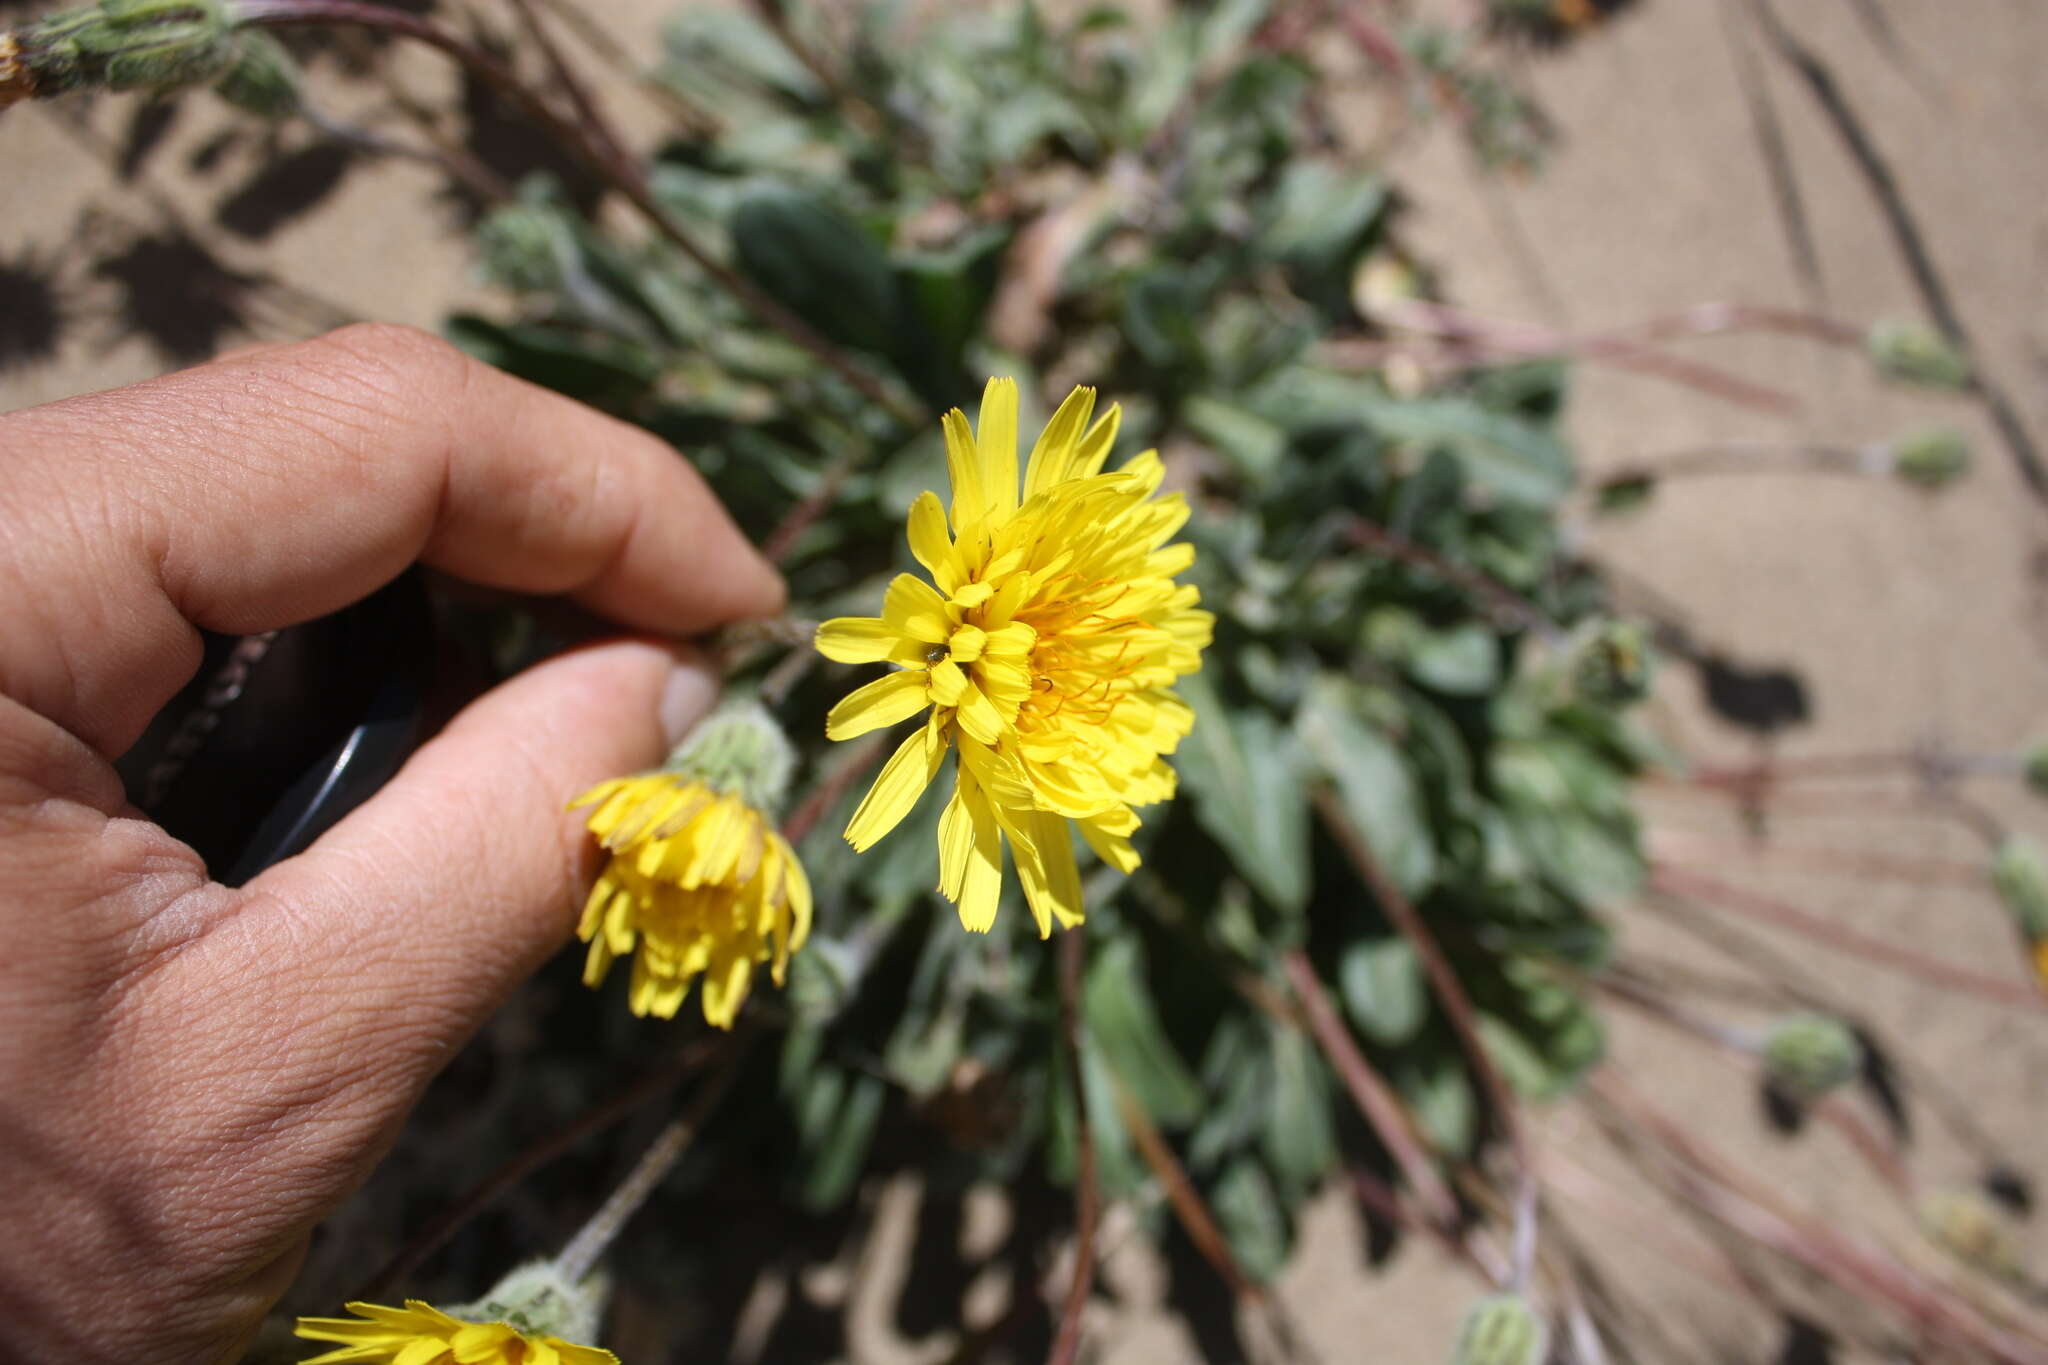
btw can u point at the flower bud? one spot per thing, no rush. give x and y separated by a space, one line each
1914 353
520 248
1623 493
128 45
1502 1330
2021 877
1964 1224
1808 1055
738 748
264 79
2034 768
1611 662
537 1298
1931 458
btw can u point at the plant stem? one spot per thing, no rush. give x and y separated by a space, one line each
1067 1340
617 171
1852 862
1751 457
1371 1093
1716 1186
1686 883
579 1257
1509 606
1879 1155
1457 1007
520 1165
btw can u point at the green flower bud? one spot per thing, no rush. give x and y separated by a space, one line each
1623 493
520 247
538 1299
1502 1330
1808 1055
264 79
2034 768
1611 663
1914 353
129 45
739 747
1965 1225
1931 458
2022 881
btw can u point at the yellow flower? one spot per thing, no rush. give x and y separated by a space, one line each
420 1334
1046 653
700 882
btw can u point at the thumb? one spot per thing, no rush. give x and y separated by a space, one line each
466 871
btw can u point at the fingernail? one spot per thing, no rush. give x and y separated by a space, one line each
688 695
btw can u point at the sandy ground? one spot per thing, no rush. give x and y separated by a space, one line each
1909 619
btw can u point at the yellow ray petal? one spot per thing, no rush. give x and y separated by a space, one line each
1096 445
981 879
914 608
996 442
930 543
884 701
902 780
864 640
1053 455
963 467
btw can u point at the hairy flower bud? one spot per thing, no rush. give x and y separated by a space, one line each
1914 353
738 748
1808 1055
520 247
538 1299
264 79
1502 1330
1611 662
1931 458
1964 1224
127 45
2022 881
2034 768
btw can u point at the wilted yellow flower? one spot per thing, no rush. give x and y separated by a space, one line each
420 1334
1046 653
699 880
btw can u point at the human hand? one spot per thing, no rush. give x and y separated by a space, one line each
192 1075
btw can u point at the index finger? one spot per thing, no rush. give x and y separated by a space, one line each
263 491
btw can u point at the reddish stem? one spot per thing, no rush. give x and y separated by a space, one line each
1697 886
1067 1340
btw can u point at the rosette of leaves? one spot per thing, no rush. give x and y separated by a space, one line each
1154 213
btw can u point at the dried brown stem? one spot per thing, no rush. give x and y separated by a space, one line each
1719 1188
1698 886
1906 235
1470 336
1087 1198
1456 1004
1852 862
1373 1096
519 1166
1509 606
580 1257
622 174
1183 1198
1882 1158
589 113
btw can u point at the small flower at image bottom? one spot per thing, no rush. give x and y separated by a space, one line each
699 883
420 1334
1045 646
